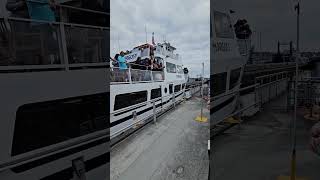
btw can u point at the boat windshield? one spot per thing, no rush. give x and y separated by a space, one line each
223 27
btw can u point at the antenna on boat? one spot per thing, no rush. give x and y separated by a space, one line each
146 33
153 42
118 43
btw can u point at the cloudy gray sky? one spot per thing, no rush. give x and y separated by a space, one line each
277 21
185 24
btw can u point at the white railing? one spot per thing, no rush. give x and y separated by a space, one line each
135 75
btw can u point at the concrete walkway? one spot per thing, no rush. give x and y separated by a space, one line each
260 149
174 148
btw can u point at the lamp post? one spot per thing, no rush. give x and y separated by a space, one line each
293 160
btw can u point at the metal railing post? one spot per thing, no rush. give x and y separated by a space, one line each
129 74
64 46
161 103
152 80
154 111
269 97
174 99
277 87
255 91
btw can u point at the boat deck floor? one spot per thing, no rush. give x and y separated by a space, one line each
260 148
173 148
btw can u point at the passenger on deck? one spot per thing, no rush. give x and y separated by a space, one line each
123 66
122 61
144 64
152 62
17 8
115 61
136 64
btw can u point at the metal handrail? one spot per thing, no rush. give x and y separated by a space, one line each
82 9
47 151
129 75
257 85
268 75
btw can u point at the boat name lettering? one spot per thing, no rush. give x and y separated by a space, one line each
221 46
132 56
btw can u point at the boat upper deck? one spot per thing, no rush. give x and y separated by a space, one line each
40 44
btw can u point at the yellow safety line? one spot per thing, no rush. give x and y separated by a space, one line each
232 120
201 119
293 170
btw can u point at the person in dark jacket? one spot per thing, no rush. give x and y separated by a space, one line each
17 8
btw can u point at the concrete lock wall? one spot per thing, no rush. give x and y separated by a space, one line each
264 94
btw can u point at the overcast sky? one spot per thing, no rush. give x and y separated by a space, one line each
277 21
185 24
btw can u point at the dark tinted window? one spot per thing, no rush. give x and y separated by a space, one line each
129 99
155 93
223 26
42 46
284 75
42 124
92 47
183 85
279 76
266 80
218 85
177 88
171 68
88 17
234 77
170 88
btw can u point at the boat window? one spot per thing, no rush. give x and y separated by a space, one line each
266 80
171 68
219 82
155 93
170 88
88 49
129 99
43 124
177 88
145 52
223 27
179 69
234 78
159 61
183 86
42 41
279 76
284 75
